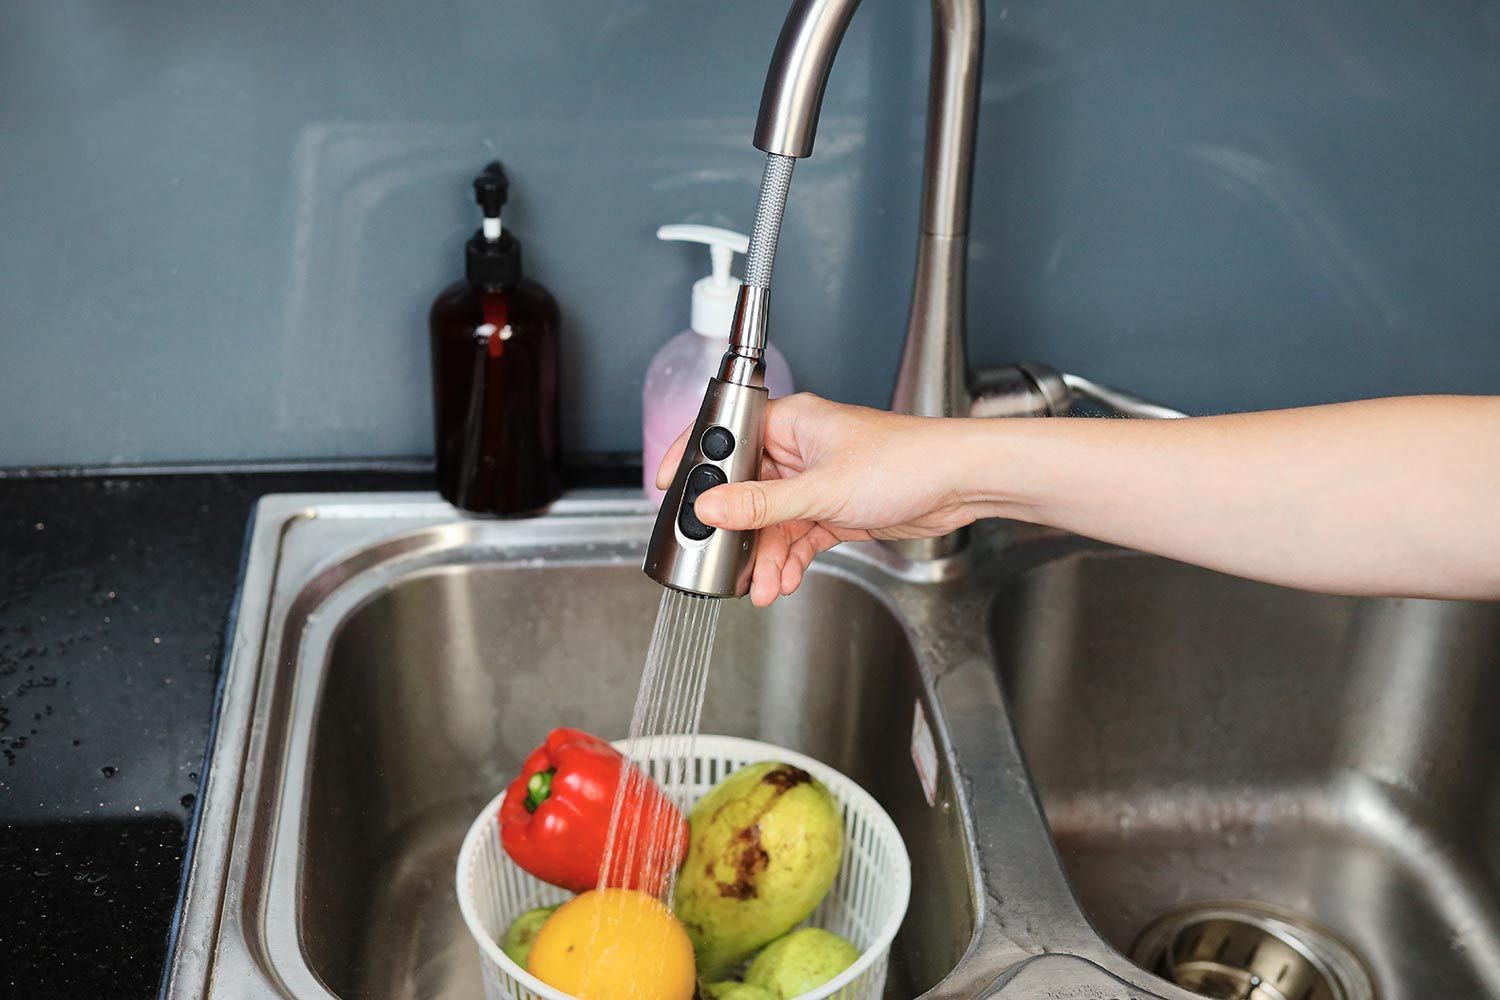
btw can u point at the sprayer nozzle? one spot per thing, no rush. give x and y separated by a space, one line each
685 553
725 445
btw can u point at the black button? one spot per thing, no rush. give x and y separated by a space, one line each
690 526
717 443
702 479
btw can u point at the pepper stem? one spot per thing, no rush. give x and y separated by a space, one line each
538 787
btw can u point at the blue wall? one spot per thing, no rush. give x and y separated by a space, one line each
221 224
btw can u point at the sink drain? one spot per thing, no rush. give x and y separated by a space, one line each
1251 951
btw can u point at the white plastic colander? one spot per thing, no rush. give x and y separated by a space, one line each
865 906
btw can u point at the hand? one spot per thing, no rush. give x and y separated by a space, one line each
832 473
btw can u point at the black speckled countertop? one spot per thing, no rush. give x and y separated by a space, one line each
114 594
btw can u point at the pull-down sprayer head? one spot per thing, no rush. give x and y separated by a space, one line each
725 443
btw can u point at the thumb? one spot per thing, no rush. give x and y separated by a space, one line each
755 504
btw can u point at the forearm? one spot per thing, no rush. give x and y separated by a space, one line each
1396 496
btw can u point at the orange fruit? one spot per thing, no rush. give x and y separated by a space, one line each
614 944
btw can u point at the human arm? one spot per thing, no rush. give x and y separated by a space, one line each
1390 496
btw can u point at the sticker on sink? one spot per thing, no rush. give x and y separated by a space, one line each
924 754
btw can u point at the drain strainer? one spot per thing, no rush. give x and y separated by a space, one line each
1251 951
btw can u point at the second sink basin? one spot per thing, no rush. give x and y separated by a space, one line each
1199 738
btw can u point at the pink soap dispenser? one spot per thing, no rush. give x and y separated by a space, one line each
678 373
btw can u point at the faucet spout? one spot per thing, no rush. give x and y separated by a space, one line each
792 98
793 95
932 380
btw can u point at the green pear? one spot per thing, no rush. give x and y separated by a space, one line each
800 962
522 932
766 844
734 991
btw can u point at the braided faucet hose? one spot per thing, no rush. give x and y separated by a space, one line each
761 257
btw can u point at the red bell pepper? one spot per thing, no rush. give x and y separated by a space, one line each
554 821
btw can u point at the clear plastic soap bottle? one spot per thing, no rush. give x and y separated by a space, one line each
681 369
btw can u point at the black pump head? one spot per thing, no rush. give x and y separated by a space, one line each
492 257
491 189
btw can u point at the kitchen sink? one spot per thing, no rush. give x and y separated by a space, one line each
1197 738
411 659
1141 771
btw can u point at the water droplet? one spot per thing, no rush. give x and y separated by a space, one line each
107 771
188 800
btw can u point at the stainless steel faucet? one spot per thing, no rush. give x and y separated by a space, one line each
933 379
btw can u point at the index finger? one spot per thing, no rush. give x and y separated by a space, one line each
672 459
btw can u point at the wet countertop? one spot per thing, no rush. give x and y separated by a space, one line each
114 596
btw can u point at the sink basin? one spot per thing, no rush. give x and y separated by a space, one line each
438 687
1199 738
413 659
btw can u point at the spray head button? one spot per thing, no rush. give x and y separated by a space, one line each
717 443
702 479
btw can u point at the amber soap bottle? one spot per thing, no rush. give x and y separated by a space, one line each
494 374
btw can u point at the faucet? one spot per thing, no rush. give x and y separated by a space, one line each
933 379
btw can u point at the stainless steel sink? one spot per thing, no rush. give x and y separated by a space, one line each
438 686
1197 738
407 662
1193 739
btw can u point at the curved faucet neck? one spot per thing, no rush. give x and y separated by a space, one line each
932 380
933 377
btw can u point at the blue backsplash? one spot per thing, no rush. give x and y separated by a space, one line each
221 224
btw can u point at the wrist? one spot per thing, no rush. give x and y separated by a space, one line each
986 467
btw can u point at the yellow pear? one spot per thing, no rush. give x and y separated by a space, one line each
766 845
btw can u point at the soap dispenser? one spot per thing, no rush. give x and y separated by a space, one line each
673 391
494 374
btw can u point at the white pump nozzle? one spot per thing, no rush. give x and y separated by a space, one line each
713 295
